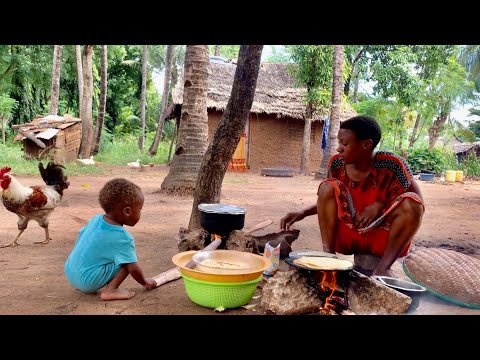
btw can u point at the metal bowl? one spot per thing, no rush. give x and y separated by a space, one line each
227 262
181 259
414 291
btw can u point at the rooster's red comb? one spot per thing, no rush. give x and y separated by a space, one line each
4 171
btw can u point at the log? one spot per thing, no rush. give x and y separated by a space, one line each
33 138
367 297
167 276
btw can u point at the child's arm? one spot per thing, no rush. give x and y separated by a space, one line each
136 271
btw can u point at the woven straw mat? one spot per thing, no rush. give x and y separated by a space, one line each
450 274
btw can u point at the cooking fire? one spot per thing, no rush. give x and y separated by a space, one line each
331 294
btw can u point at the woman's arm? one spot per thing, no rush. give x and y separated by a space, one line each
292 217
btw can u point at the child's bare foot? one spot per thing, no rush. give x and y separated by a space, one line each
116 294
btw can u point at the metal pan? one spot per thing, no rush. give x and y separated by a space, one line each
290 261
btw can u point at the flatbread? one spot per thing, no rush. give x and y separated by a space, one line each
323 263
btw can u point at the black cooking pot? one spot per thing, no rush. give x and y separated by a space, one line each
221 219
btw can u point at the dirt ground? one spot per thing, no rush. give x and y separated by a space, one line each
32 275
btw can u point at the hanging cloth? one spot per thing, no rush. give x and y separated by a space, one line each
325 134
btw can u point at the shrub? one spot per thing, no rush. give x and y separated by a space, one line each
430 161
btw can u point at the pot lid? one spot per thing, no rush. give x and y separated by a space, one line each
222 209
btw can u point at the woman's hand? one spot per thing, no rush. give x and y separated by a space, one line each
291 218
368 215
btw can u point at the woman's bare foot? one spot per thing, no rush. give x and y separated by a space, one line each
116 294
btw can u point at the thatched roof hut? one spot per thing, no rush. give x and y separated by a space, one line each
276 92
462 150
274 130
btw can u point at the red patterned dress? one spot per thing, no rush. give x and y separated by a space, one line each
388 181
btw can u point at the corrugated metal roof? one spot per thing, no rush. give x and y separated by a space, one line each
47 134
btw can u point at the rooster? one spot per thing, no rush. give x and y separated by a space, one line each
34 202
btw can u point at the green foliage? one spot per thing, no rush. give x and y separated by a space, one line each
114 151
475 128
124 149
450 87
128 123
437 161
313 69
470 58
399 70
470 165
12 155
226 51
7 105
278 55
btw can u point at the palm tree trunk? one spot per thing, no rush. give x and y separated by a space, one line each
78 54
395 135
193 129
103 100
55 88
227 135
335 111
355 85
163 108
174 137
87 122
143 96
307 132
217 50
3 129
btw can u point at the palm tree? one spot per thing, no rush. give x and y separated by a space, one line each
143 96
193 128
55 89
78 54
163 107
103 100
87 122
229 130
335 111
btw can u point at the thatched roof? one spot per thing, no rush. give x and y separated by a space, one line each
276 92
464 147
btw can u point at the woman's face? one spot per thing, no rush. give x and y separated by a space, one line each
349 148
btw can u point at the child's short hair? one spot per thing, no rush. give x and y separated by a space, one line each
364 128
118 192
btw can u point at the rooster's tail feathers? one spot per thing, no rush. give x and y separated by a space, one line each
53 174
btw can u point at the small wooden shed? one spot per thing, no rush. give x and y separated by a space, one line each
52 137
